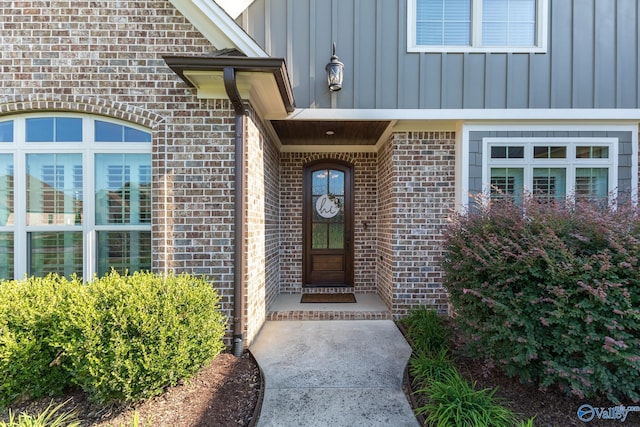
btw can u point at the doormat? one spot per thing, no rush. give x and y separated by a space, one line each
328 298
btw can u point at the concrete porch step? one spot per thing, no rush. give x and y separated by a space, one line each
367 307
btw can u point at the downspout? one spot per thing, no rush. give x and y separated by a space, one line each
231 87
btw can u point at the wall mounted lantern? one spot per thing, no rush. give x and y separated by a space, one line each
334 72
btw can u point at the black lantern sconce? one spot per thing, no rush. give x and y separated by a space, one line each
334 70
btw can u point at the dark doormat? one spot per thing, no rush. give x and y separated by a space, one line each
328 298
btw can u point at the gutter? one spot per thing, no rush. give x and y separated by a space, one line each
230 85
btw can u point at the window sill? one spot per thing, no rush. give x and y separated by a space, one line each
470 49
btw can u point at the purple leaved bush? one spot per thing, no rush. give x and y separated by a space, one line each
551 292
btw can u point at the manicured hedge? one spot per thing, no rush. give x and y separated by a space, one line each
30 315
551 292
117 337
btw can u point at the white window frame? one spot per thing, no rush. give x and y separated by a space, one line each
570 163
542 18
88 148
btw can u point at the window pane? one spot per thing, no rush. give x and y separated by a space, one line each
507 182
55 252
443 22
112 132
592 182
124 251
508 22
54 189
320 182
498 152
549 183
336 183
457 34
336 236
515 152
319 236
592 152
6 189
39 130
54 129
6 131
68 129
123 189
549 152
135 135
6 256
108 132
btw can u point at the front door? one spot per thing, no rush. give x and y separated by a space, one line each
328 224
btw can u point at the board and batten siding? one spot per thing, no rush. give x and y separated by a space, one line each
592 60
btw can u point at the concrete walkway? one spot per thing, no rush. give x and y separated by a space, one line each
333 373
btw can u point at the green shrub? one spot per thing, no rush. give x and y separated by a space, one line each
551 292
426 329
427 367
48 418
30 313
128 337
453 403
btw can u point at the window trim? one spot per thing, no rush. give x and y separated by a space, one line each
88 148
542 25
570 163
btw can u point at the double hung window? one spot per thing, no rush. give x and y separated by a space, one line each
75 196
477 25
550 169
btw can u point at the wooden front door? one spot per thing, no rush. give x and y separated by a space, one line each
328 224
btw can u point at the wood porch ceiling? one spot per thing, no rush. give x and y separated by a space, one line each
303 132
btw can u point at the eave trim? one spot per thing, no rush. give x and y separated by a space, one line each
275 66
218 27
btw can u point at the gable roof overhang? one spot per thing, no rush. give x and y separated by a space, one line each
218 27
263 81
234 7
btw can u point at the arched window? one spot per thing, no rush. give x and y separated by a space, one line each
75 195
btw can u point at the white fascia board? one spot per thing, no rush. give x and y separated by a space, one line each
550 114
218 27
234 7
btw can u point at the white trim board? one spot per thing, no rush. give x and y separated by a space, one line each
498 115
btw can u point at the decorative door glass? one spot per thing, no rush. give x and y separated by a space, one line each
328 220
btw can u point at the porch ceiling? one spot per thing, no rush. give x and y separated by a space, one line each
306 132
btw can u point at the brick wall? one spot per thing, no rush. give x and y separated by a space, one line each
422 196
365 250
385 236
105 58
262 281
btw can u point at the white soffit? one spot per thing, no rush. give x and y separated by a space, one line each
234 7
218 27
259 88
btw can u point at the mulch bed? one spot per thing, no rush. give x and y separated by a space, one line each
551 408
